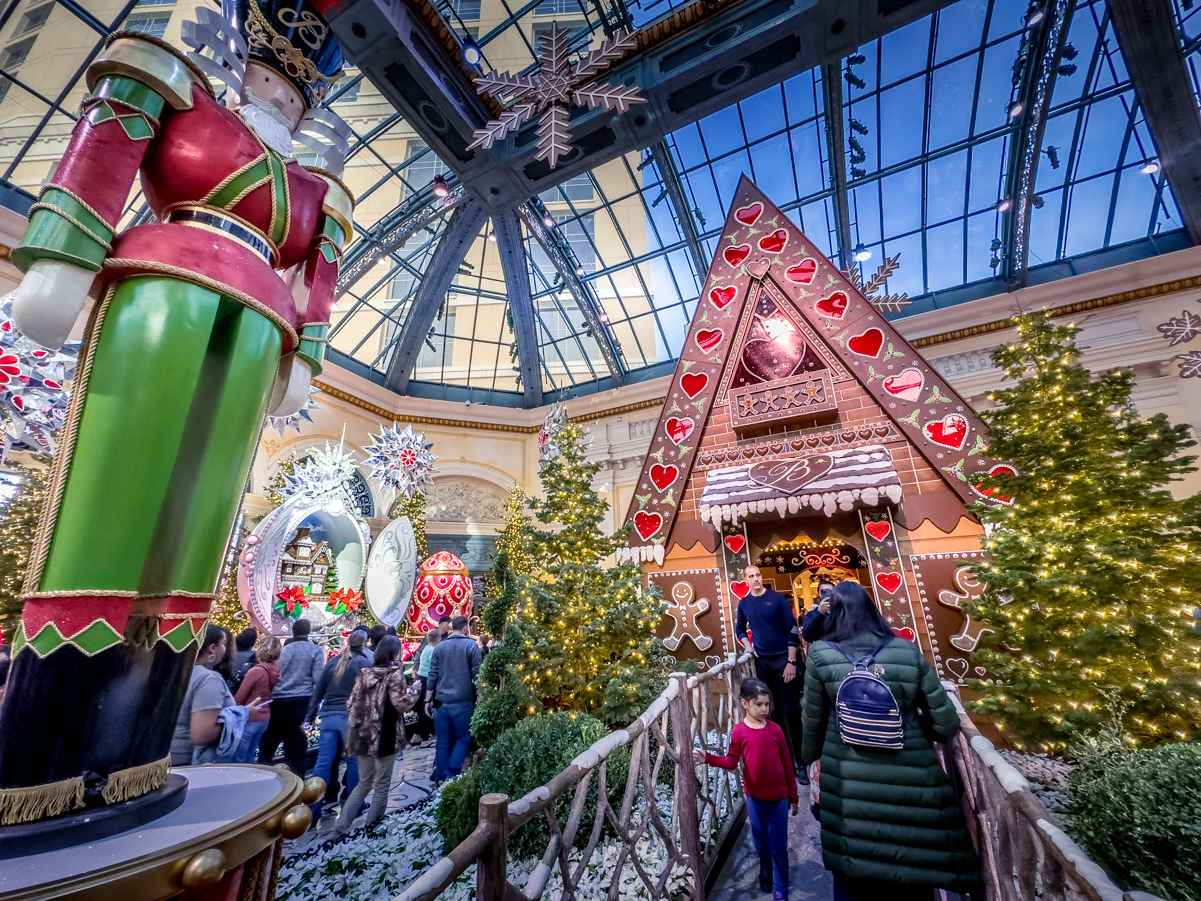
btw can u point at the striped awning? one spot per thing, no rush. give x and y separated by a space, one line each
838 481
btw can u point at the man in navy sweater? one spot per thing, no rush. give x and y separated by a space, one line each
773 627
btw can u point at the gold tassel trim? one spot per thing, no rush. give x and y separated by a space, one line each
41 802
135 781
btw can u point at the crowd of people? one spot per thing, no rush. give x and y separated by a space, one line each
250 695
840 698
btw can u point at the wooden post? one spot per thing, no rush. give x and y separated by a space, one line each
686 812
491 876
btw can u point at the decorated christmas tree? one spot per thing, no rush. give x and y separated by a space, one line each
580 635
19 517
276 485
512 560
1092 573
331 579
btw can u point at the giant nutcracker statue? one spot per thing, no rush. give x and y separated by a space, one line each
203 321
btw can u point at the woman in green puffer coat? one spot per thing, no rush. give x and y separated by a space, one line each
890 819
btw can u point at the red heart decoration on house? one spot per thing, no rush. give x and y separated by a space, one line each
709 339
678 429
664 476
906 384
647 524
867 344
749 214
740 589
904 632
719 297
693 383
950 431
998 469
774 242
878 529
802 273
735 543
834 306
890 581
737 253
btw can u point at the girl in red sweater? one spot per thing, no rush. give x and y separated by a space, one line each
769 782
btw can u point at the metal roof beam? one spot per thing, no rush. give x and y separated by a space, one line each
509 243
679 202
461 231
559 251
1146 33
836 147
1043 48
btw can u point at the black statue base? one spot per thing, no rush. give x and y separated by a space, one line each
93 823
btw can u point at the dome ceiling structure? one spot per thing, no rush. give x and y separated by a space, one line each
990 144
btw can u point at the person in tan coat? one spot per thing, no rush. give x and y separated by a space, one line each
375 732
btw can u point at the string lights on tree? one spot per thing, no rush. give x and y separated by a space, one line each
19 518
1092 575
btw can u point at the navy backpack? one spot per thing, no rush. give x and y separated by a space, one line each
868 713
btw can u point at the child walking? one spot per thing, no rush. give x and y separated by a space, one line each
769 781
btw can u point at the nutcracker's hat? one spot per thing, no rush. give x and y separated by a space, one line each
292 37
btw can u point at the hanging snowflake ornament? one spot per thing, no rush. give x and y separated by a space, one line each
402 460
1190 365
885 303
33 394
552 89
281 424
322 470
1181 329
548 435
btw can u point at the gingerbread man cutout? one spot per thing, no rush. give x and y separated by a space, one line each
686 612
969 588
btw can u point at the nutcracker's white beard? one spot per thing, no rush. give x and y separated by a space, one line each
267 122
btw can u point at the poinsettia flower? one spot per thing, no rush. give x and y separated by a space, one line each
10 368
345 600
291 601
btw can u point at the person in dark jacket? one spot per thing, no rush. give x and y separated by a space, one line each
773 626
333 691
244 656
454 667
300 667
813 625
892 826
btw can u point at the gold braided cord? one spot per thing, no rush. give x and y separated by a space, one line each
83 203
259 33
49 207
235 174
62 460
135 781
213 285
287 202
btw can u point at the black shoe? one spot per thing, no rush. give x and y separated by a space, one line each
802 777
765 882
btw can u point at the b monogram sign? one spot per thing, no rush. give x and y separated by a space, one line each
790 476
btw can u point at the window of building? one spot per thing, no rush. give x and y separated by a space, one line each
579 234
562 321
577 188
154 24
439 346
557 7
572 27
13 58
421 171
34 19
468 10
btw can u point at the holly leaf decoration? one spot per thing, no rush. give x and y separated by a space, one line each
1181 329
1190 365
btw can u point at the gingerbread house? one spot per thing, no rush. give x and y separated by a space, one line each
802 433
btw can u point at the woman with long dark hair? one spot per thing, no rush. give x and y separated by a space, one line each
891 823
375 734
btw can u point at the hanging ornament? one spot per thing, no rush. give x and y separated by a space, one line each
322 470
548 435
402 460
291 602
281 424
344 601
33 394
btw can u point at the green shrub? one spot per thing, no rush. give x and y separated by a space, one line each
530 754
1138 813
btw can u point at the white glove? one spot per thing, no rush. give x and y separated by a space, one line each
49 299
291 388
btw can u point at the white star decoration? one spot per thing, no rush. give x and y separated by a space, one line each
281 424
322 470
548 435
401 459
553 89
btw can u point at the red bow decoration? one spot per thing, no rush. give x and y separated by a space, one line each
291 601
344 600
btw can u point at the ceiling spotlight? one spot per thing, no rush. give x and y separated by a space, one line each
861 254
548 221
471 52
1034 15
1003 205
579 270
1150 167
441 186
492 237
1015 109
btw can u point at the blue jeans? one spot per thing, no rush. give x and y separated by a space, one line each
248 747
452 725
331 747
769 829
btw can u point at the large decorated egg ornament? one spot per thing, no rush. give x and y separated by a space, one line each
443 589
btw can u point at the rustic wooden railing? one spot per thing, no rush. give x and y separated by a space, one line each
1023 854
670 824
